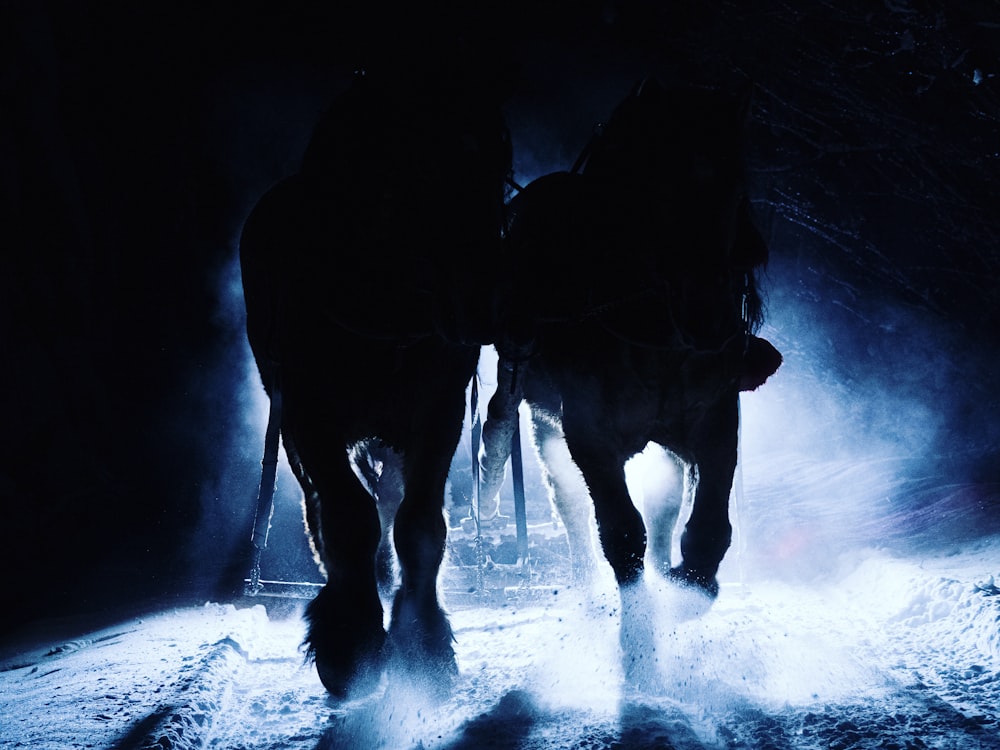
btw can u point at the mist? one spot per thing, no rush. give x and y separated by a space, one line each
877 431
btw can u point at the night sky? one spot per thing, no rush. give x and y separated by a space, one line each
136 137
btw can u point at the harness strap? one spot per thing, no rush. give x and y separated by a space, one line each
477 436
520 510
588 149
268 476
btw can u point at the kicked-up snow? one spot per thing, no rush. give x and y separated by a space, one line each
897 652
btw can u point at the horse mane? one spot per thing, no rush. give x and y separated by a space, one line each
753 252
754 304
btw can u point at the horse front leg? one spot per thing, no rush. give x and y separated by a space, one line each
568 493
623 538
619 524
420 636
664 484
708 532
497 438
345 634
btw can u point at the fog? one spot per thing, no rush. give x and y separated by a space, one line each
876 431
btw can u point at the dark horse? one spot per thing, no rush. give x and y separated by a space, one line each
367 305
638 322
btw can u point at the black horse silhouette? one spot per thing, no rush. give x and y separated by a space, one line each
638 321
368 298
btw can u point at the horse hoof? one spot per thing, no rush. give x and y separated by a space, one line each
349 653
496 523
419 651
351 683
493 523
429 652
692 579
434 684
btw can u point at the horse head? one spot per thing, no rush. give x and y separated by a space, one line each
392 153
671 161
678 150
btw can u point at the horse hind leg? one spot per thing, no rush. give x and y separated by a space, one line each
310 505
661 480
379 467
568 494
390 495
497 435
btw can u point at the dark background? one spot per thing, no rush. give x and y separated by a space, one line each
135 138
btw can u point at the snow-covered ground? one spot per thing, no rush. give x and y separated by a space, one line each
892 653
859 609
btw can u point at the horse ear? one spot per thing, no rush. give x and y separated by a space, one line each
649 86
